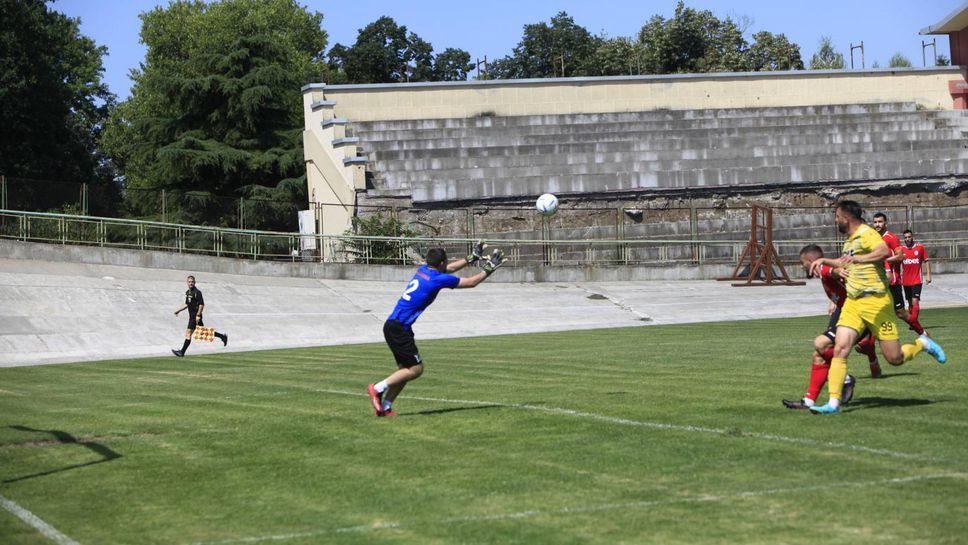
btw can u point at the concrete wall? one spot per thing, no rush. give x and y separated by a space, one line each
62 304
928 87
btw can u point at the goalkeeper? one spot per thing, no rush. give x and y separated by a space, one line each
195 304
420 292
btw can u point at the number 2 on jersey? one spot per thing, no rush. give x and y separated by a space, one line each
411 287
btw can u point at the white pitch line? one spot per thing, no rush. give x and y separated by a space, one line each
666 426
49 531
711 498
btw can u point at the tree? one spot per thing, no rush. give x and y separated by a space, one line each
216 109
53 101
386 52
771 52
899 61
692 41
942 60
617 57
452 65
560 49
826 58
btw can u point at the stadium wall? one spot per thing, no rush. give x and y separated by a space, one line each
928 87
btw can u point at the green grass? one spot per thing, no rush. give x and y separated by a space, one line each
671 434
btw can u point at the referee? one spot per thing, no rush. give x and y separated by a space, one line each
195 304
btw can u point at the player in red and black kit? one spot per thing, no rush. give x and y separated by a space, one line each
915 257
823 345
195 304
892 266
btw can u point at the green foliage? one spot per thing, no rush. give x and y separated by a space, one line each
942 60
216 108
898 60
53 101
385 52
692 41
771 52
379 251
560 49
826 58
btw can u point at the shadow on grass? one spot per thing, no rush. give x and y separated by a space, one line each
451 410
63 438
888 374
878 402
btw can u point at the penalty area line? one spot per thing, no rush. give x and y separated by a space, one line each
33 520
666 426
578 510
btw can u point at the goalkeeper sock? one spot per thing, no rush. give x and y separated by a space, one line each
381 386
185 345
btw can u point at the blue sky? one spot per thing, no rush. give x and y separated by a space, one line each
493 28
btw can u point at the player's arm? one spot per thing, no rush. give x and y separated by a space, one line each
201 307
878 253
897 257
181 309
477 252
927 270
491 264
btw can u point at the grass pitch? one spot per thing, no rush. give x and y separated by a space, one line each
671 434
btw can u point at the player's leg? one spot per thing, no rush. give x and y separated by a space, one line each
818 372
897 293
866 346
409 367
913 295
848 327
188 337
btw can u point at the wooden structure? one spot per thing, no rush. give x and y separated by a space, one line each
756 264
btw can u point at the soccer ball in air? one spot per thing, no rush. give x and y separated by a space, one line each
547 204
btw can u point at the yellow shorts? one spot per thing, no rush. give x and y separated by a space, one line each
874 312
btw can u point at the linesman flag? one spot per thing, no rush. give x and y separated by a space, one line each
203 333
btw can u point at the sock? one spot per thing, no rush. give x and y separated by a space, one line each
809 402
381 386
915 309
827 354
387 405
221 336
185 346
836 376
911 350
915 325
818 376
866 346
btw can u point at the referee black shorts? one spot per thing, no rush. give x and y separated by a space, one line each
401 343
192 324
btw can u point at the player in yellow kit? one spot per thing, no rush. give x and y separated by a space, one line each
869 304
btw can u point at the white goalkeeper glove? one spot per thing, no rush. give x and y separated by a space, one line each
493 261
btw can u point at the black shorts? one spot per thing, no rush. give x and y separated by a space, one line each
192 323
401 343
831 332
897 293
911 292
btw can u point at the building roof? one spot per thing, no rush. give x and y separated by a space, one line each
954 22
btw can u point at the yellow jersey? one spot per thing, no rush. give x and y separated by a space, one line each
864 278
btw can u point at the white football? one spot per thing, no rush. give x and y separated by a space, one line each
547 204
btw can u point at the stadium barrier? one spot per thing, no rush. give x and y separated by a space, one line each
269 245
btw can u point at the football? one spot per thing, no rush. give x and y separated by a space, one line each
547 204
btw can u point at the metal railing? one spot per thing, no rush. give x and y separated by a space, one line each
270 245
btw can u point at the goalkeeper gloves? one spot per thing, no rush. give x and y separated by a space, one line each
495 260
477 252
